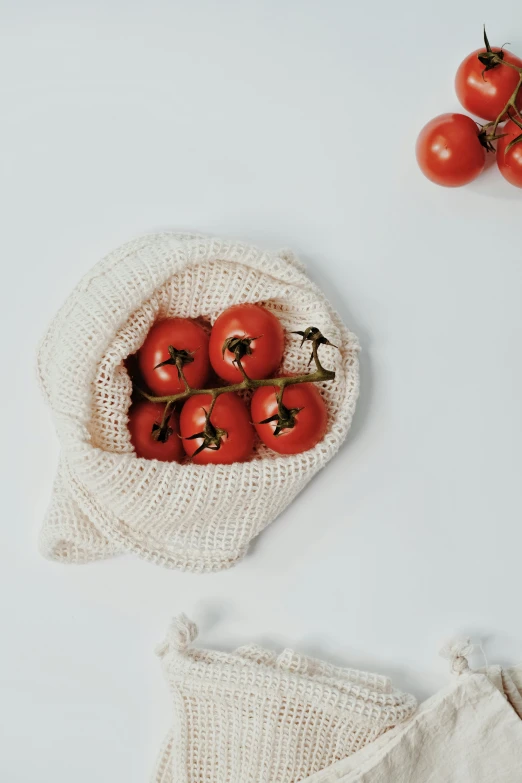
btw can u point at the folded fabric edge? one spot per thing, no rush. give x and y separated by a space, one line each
53 546
67 535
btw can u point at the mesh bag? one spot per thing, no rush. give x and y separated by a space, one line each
105 499
257 717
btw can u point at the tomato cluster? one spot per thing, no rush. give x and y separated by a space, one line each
211 423
451 149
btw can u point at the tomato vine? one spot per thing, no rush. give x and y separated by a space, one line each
491 59
311 335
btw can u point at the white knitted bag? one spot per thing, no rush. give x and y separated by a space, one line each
252 716
196 517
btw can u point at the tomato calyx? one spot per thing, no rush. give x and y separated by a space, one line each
162 432
178 357
285 418
487 139
239 346
489 58
212 436
314 335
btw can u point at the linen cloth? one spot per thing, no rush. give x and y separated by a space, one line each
470 732
105 499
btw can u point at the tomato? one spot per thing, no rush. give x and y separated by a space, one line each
305 408
260 345
485 93
190 343
143 417
224 437
449 151
510 163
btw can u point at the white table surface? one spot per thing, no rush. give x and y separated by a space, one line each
288 124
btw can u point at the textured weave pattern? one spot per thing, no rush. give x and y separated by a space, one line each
256 717
105 498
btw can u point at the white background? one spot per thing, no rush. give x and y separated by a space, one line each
286 124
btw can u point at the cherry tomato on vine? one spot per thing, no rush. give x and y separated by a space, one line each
306 409
449 151
510 161
249 332
486 92
189 342
143 417
223 435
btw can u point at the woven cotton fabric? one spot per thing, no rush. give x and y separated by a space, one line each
470 732
105 499
257 717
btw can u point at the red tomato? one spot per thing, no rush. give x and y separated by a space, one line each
186 337
485 93
263 343
449 151
510 163
143 416
229 435
305 406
